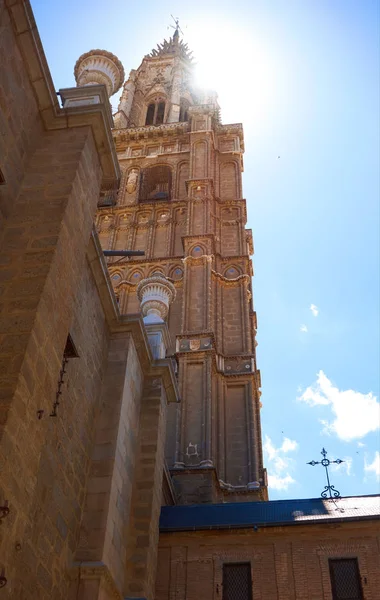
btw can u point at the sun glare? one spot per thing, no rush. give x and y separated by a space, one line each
241 64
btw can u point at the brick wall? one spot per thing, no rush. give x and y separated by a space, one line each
287 563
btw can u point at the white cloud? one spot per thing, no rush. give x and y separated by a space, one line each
304 329
314 309
361 445
288 445
279 464
345 465
280 483
373 467
355 414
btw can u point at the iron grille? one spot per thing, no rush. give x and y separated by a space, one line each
108 196
345 579
237 583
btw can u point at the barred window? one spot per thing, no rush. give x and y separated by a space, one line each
237 582
156 183
345 579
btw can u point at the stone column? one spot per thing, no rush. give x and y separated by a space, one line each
175 98
155 294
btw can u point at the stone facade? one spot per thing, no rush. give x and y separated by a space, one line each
80 390
180 201
127 385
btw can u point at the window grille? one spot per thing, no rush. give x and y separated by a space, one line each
237 582
156 183
108 196
345 579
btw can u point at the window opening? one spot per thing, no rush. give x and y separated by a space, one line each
237 581
184 111
345 579
156 183
155 113
150 114
160 113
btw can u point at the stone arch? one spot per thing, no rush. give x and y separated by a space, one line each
232 272
135 276
105 221
176 272
124 219
156 269
197 250
116 277
156 108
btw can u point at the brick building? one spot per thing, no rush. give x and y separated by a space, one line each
128 385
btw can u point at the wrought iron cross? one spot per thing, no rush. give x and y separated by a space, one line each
325 462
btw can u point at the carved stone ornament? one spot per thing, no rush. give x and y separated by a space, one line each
155 293
132 181
99 67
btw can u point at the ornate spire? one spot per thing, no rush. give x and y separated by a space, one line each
174 46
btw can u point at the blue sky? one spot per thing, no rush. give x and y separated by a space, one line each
303 78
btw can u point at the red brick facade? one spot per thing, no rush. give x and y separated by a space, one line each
287 563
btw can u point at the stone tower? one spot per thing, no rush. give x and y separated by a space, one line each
181 201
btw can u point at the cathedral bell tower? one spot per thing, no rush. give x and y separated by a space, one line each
180 200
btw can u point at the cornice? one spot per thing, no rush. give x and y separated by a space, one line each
95 116
165 128
132 324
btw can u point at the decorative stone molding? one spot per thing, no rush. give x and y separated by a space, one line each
194 344
241 279
99 67
197 260
251 486
155 293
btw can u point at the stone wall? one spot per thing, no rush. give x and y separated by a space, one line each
20 121
287 563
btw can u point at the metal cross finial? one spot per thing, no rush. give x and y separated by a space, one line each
177 27
325 462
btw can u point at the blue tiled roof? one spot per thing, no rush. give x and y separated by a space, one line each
267 514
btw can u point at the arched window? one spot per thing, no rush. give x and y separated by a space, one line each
150 114
156 183
184 110
155 113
